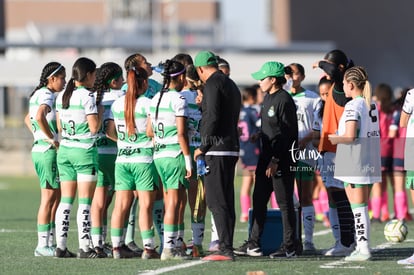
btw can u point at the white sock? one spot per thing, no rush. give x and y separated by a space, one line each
362 227
180 238
198 233
308 213
170 239
83 218
334 220
214 234
52 234
62 224
43 232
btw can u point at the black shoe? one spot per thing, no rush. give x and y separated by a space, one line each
134 247
283 253
249 248
64 253
91 254
100 252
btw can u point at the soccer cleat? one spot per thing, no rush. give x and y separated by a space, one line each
100 252
309 247
90 254
249 248
134 247
173 254
44 252
59 253
219 256
123 252
283 253
214 246
358 256
407 261
150 254
340 250
107 248
197 250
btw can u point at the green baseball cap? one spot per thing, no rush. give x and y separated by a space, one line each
205 58
271 68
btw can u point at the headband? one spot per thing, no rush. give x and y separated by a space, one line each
55 71
180 72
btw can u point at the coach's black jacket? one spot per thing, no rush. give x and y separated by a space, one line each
220 114
279 128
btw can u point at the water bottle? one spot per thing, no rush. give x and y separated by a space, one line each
201 165
159 68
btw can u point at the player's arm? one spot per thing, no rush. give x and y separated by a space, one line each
27 122
348 137
110 131
405 117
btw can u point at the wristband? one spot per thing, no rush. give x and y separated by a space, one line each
188 163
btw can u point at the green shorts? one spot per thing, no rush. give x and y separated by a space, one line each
106 173
304 172
353 185
409 180
77 164
135 176
46 168
172 172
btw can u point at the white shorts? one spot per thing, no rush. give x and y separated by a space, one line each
327 170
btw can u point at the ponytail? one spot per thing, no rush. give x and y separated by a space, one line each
70 87
137 80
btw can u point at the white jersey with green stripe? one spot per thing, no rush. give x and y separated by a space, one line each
171 105
43 96
307 104
193 119
137 147
105 145
75 128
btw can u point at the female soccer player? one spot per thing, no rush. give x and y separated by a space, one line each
172 154
78 120
358 162
41 121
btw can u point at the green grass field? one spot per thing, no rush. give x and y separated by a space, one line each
19 199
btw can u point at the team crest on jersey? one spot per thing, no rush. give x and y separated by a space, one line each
271 112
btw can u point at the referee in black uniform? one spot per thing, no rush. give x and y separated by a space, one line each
275 168
220 144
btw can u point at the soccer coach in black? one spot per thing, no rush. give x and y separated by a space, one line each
220 144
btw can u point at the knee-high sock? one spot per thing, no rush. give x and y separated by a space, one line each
345 217
52 234
400 204
62 222
333 219
83 219
324 201
384 205
245 203
158 218
130 232
362 226
308 214
376 207
214 234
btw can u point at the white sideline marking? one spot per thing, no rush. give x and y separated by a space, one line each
172 268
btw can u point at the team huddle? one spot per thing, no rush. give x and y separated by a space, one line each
136 142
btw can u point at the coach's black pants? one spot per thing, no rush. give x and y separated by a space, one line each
219 184
283 185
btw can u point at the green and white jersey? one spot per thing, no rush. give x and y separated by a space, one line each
43 96
105 145
307 105
137 147
75 128
408 108
360 161
193 119
172 105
